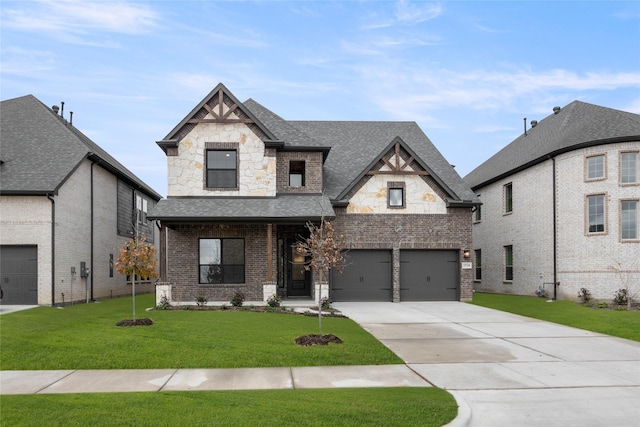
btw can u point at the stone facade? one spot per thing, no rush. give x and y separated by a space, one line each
583 259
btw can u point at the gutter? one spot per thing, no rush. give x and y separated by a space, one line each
53 250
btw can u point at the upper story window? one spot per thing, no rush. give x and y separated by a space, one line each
222 169
141 209
596 168
221 261
396 197
477 215
296 173
508 198
596 213
629 168
629 220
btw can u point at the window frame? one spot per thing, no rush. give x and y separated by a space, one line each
507 198
297 167
206 168
477 275
636 218
477 214
508 263
222 262
588 215
637 168
396 185
588 178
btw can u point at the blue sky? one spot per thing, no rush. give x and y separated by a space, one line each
467 72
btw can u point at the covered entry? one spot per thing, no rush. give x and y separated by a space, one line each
19 274
429 275
367 276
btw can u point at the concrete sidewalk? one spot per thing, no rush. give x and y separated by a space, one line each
509 370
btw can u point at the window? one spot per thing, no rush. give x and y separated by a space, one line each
629 220
141 209
508 263
629 168
595 213
478 214
508 198
296 173
395 195
596 167
222 169
478 264
221 261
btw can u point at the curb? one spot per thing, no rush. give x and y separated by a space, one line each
464 412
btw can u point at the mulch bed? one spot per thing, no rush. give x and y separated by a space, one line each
313 339
138 322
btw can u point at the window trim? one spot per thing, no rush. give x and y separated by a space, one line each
477 214
637 181
604 215
507 202
478 265
221 146
300 168
396 185
637 238
508 268
244 265
604 167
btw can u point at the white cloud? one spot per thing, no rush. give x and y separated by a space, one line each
408 12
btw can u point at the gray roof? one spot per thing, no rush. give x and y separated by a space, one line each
356 145
575 126
284 208
39 150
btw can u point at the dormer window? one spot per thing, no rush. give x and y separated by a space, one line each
222 169
296 173
396 195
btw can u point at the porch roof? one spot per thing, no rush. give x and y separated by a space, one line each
279 209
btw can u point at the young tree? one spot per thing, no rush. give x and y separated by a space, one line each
324 251
137 258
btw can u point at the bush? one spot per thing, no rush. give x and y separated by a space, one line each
621 297
201 301
274 301
603 304
584 295
237 300
325 303
164 303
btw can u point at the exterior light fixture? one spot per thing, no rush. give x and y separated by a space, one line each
466 254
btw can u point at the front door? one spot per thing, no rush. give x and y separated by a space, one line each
298 279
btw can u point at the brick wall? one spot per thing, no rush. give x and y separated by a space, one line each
313 172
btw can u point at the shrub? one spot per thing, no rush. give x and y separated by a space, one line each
274 301
201 301
164 303
584 295
603 304
237 300
621 297
325 303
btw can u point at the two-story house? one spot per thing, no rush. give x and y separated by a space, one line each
66 208
242 183
560 205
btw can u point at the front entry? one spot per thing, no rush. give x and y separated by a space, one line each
298 279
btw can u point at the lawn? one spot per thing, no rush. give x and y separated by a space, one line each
84 336
402 406
618 323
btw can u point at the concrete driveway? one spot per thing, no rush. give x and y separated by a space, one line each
510 370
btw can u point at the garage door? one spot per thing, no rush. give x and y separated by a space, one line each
366 277
19 274
428 275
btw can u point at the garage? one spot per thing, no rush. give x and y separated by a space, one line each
429 275
19 274
366 277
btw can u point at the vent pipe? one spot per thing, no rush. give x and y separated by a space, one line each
62 110
525 126
71 118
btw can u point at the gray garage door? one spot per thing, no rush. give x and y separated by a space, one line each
19 274
428 275
366 277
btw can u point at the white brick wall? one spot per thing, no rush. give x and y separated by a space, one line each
583 261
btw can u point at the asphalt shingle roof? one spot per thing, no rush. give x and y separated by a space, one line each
577 125
39 150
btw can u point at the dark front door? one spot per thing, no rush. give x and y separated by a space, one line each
298 279
19 274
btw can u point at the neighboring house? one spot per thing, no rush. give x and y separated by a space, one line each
66 208
242 183
560 204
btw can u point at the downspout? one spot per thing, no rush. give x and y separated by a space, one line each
53 250
555 233
91 238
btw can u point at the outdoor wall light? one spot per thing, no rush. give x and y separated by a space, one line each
466 254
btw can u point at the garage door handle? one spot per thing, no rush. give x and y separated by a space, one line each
428 278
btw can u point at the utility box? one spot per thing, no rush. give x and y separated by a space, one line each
83 269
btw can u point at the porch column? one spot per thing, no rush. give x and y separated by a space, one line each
269 253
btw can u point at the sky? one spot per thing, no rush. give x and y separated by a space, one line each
468 72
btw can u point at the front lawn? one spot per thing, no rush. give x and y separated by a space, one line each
84 336
402 406
618 323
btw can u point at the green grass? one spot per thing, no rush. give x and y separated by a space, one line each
84 336
400 406
618 323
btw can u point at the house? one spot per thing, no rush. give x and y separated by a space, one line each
66 208
560 205
242 183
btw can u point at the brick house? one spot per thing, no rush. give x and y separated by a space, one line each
242 183
560 204
66 208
